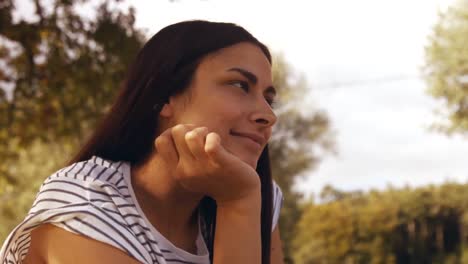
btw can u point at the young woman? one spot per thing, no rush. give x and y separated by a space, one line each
178 170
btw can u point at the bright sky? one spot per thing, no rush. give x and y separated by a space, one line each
376 48
382 136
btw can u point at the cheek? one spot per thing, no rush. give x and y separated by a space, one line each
230 116
223 120
223 112
223 123
218 116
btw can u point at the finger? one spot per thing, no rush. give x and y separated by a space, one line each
196 142
165 146
178 134
215 150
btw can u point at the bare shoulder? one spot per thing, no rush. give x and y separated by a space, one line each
51 244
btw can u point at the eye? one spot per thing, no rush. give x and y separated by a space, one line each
241 84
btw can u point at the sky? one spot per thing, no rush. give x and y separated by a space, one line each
362 60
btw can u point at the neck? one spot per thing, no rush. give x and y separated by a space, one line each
169 207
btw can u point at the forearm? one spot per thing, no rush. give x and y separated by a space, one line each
238 233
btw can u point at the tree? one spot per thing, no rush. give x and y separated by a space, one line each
298 141
423 225
53 64
60 71
446 67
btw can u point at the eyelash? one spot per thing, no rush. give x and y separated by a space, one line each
245 86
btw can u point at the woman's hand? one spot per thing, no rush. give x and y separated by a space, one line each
203 165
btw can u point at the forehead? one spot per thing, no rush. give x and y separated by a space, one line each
242 55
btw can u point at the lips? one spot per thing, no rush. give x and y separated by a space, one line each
257 138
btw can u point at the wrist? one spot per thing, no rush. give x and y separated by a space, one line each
248 203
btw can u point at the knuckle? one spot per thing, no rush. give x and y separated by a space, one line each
167 131
177 128
210 150
202 130
191 135
161 140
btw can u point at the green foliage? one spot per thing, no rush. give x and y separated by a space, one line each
59 73
58 70
62 72
298 141
446 68
424 225
32 166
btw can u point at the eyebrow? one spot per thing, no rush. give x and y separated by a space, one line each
253 79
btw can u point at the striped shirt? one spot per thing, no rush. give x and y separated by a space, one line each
95 198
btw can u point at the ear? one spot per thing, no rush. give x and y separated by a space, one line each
167 110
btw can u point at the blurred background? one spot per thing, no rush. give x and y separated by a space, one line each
371 146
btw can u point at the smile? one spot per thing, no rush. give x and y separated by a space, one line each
249 141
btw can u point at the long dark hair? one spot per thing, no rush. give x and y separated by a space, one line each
163 68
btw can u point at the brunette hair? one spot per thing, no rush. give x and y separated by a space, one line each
163 68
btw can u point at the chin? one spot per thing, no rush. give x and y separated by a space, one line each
246 156
251 162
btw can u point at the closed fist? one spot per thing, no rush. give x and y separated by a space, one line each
203 165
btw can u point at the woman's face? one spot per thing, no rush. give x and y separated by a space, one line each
231 93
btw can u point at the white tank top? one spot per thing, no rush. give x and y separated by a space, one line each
95 198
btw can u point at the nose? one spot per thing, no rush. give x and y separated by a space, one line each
264 115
